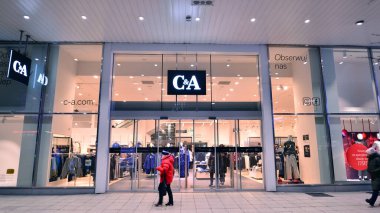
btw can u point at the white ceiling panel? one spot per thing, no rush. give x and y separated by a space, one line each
227 22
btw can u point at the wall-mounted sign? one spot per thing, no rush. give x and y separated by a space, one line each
306 151
315 101
186 82
19 67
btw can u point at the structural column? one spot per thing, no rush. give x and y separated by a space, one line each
102 152
270 181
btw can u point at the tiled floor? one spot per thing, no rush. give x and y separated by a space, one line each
351 202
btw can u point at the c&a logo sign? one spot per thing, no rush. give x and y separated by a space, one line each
184 82
19 67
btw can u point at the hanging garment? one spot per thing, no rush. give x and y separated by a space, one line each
291 168
149 163
73 166
246 159
184 159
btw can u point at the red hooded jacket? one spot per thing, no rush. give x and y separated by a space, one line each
166 169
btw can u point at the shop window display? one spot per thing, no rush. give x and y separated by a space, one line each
67 149
300 140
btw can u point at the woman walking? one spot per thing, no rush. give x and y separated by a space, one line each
166 170
374 170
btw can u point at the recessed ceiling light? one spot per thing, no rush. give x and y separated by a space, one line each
155 65
124 101
240 78
238 75
307 21
96 77
255 95
236 83
117 94
277 78
158 77
276 73
213 77
76 124
257 77
231 89
141 18
139 89
84 17
26 17
80 94
253 20
146 99
77 87
341 62
191 65
131 77
118 65
305 62
359 23
197 19
36 59
142 75
207 74
228 65
208 89
75 59
376 63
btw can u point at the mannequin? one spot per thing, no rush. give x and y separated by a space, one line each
290 160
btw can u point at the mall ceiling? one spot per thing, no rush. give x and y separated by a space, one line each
332 22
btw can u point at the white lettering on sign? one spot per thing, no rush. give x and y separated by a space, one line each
42 79
21 69
192 83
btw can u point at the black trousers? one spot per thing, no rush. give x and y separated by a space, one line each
170 194
374 196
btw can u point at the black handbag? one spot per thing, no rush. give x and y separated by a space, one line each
162 187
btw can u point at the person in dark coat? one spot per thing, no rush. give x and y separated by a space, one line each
222 162
166 170
374 170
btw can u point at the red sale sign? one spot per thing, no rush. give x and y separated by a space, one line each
357 157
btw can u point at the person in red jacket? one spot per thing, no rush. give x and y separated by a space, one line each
166 170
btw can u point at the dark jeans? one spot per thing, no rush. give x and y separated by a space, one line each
222 177
170 194
374 196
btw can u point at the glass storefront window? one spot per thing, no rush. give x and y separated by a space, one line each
74 79
67 154
296 80
376 65
348 80
17 145
235 82
301 149
351 135
22 98
140 82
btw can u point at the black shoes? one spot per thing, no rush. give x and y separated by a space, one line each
169 204
369 202
158 204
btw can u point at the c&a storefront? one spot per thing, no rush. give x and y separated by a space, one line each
93 118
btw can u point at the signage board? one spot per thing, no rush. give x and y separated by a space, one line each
186 82
19 67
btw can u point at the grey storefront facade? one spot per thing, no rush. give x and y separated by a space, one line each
288 117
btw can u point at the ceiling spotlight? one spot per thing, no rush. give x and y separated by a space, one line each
231 89
241 78
305 62
191 65
228 65
236 83
276 73
238 75
130 76
96 77
84 17
117 94
118 65
376 63
141 18
155 65
142 75
146 99
359 23
307 21
26 17
75 59
277 78
341 62
253 19
139 89
36 59
213 77
197 19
